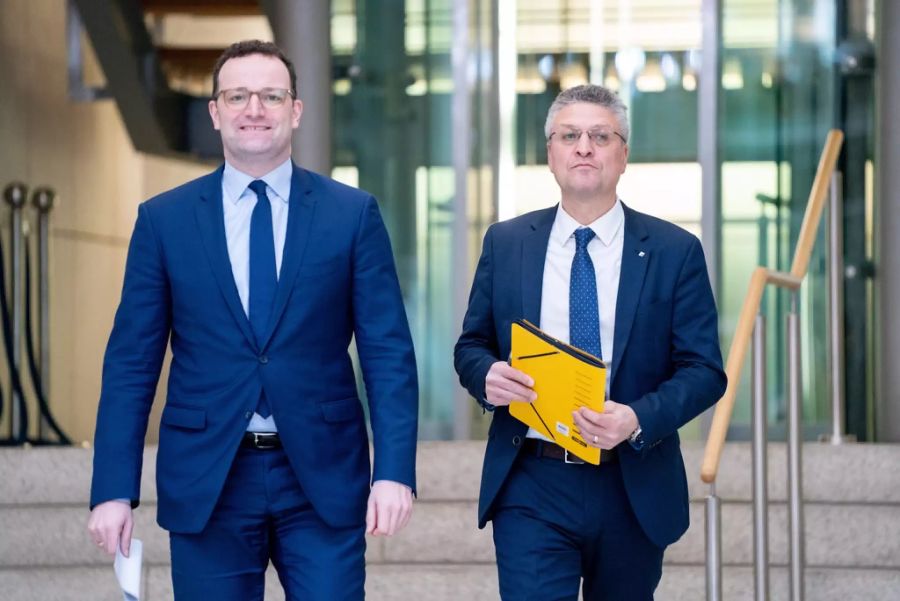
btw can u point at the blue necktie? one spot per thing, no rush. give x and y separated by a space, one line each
584 315
263 277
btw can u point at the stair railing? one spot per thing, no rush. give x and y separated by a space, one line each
751 324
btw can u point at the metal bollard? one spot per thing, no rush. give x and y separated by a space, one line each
15 196
42 199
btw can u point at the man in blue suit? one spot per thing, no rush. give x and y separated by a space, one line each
258 275
623 286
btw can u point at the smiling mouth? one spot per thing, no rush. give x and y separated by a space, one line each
254 128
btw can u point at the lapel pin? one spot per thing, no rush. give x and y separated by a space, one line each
641 254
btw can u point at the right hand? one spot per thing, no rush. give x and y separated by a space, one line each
505 384
111 523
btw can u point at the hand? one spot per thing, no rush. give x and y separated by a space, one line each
606 430
505 384
111 523
390 505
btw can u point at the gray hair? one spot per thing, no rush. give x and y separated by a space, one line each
592 94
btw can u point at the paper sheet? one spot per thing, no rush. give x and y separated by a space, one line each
128 570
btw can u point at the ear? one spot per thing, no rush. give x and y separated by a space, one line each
297 111
214 114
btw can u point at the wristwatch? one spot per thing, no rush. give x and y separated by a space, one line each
636 439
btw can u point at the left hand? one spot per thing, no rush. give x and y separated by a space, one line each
606 430
389 508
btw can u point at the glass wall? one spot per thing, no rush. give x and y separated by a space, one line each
780 95
399 66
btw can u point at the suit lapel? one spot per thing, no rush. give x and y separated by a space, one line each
211 223
635 258
300 215
534 253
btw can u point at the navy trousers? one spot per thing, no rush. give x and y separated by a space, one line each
263 514
557 525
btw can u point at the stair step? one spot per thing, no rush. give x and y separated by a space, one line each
452 582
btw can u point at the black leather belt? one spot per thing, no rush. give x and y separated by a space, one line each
261 441
542 448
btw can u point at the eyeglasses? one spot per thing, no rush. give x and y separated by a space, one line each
598 137
239 98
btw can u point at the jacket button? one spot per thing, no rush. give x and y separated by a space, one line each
263 359
517 440
248 415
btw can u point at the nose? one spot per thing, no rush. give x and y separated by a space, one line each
584 147
254 105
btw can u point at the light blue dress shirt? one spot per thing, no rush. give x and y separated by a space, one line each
238 202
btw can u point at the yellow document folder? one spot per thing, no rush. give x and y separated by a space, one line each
565 379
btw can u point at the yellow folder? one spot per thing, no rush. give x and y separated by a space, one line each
565 379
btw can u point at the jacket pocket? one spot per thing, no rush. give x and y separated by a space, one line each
184 417
342 410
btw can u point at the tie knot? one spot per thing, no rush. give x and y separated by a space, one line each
259 187
583 235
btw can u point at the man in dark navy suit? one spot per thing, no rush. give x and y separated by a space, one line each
258 275
628 288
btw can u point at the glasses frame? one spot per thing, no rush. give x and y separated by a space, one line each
590 138
258 94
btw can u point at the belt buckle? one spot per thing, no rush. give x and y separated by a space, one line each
263 440
574 461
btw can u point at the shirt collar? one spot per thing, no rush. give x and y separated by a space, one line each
235 182
606 227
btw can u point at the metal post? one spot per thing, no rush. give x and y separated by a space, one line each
713 546
795 475
836 311
461 145
760 470
16 196
42 199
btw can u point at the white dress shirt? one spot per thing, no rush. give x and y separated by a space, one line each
605 250
238 202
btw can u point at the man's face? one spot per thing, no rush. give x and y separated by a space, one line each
255 134
583 168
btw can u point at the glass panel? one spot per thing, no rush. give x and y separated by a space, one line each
777 101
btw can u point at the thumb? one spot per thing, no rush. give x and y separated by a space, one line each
127 529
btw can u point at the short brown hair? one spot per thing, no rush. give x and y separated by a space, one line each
246 48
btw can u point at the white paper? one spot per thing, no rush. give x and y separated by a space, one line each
128 570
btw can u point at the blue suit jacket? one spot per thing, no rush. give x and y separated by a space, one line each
667 364
337 280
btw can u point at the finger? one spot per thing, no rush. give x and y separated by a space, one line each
110 540
371 517
510 391
516 375
126 537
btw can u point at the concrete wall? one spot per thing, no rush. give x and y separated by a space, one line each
83 151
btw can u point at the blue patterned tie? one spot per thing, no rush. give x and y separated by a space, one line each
584 315
263 277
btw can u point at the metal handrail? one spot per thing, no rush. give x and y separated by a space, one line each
749 316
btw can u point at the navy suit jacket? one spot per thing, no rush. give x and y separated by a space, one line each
337 280
667 364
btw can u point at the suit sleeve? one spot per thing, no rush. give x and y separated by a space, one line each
385 350
697 380
131 368
477 347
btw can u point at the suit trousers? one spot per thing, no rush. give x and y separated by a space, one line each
262 514
556 524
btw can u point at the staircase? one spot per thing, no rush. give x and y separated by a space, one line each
852 514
